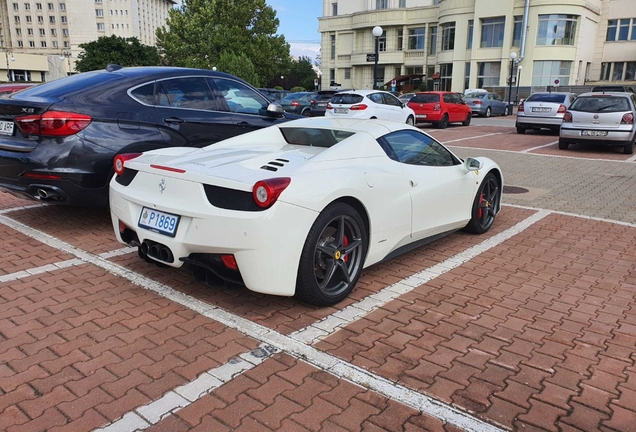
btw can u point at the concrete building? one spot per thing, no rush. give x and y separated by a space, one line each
468 43
43 36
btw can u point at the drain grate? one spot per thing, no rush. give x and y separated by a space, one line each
514 190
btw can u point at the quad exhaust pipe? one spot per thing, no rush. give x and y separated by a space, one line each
157 251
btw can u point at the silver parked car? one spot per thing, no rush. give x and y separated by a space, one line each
600 118
486 104
543 111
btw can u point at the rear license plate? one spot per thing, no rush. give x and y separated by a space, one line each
6 127
593 133
322 104
541 109
421 116
341 110
159 222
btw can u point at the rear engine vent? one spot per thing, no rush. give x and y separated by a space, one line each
230 199
275 164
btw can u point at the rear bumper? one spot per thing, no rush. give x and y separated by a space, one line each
613 138
478 109
530 121
431 117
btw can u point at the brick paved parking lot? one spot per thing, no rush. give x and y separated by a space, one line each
531 326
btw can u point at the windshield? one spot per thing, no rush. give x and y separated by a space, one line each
314 137
546 97
598 104
475 95
425 98
346 99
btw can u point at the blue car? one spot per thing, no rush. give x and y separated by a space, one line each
487 104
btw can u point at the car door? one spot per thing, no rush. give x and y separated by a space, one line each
442 192
398 113
380 109
501 104
450 106
186 110
248 108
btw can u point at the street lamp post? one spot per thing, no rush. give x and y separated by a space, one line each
519 68
377 32
66 54
513 56
6 54
282 78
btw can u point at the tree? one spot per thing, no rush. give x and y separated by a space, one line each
298 73
200 31
239 65
114 49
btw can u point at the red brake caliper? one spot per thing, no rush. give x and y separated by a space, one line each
479 210
345 242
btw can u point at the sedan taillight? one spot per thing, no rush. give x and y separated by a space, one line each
358 107
53 123
266 192
477 102
562 109
295 103
567 117
329 106
313 102
520 109
628 119
437 107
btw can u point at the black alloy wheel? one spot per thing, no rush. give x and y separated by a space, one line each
467 121
485 205
443 124
333 256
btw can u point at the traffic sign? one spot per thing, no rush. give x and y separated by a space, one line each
316 81
556 82
370 57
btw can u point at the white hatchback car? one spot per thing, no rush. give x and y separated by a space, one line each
369 104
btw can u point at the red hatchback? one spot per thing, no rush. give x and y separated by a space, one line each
440 108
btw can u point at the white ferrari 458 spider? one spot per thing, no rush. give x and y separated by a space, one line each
302 207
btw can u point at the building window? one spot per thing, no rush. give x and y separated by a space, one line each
488 74
467 76
41 19
611 30
545 72
30 32
101 27
16 19
66 44
400 40
32 44
630 71
38 6
332 75
471 29
402 4
63 19
51 7
42 32
15 6
52 19
54 44
20 44
416 38
516 34
382 42
334 9
98 1
43 44
63 7
21 75
65 32
448 36
432 49
333 47
620 30
556 29
381 4
492 32
623 29
18 32
28 18
446 76
617 75
27 6
53 32
43 76
347 73
615 71
633 28
99 12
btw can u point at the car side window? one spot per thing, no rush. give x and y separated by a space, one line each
189 93
448 98
376 98
416 148
240 98
389 99
498 98
457 99
145 94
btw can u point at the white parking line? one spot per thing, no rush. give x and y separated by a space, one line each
576 215
333 322
631 159
541 154
13 209
298 349
539 147
474 137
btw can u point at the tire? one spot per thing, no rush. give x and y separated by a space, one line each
305 112
521 130
467 121
563 145
410 121
443 124
488 112
318 258
629 148
505 113
485 205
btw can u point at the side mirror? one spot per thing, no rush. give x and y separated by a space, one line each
275 110
472 164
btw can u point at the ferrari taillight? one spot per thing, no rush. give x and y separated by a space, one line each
437 107
567 117
120 159
520 109
562 109
628 119
53 123
358 107
266 192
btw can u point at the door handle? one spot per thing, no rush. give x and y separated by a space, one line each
173 120
413 183
244 125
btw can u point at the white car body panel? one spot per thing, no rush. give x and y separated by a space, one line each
374 110
267 245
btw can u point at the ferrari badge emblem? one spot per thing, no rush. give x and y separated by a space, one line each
337 255
162 185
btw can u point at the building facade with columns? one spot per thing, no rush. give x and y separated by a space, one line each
41 38
468 43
